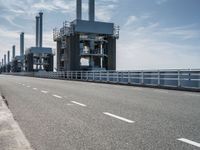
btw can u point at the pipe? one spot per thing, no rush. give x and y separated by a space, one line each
37 31
41 29
91 10
78 9
13 51
22 44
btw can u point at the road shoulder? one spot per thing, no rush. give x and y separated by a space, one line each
11 136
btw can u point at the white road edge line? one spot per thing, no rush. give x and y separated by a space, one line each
79 103
189 142
57 96
45 92
118 117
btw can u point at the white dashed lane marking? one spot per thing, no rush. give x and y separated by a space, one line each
57 96
189 142
45 92
118 117
34 88
77 103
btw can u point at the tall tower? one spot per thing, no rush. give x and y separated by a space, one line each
22 44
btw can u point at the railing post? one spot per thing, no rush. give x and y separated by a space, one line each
158 78
107 76
129 78
76 75
81 75
118 76
67 75
142 82
87 74
93 75
179 78
100 76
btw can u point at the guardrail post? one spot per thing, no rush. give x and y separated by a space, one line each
81 75
76 75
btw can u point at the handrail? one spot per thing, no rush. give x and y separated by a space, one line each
179 79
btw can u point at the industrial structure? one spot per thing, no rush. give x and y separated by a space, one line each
8 66
3 64
18 61
39 58
34 59
86 44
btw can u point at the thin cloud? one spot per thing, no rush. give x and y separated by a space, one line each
144 44
131 20
160 2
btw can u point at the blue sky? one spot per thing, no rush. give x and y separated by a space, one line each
154 34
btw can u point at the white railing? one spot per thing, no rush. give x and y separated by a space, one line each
177 79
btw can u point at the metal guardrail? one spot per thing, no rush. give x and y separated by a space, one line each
176 79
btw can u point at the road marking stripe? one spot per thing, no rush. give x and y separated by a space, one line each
45 92
57 96
118 117
23 84
78 103
189 142
34 88
28 86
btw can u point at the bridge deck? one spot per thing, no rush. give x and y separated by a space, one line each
56 114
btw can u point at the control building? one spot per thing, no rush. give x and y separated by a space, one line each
86 44
39 58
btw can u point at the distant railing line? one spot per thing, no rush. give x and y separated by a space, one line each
179 79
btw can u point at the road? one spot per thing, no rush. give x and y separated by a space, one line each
71 115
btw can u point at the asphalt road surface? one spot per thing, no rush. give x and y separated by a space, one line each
69 115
